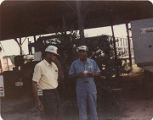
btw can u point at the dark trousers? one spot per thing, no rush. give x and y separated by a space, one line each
50 101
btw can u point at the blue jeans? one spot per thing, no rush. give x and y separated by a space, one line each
86 100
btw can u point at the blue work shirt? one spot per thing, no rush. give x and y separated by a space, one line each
85 83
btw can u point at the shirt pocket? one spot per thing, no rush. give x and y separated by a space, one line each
55 70
90 68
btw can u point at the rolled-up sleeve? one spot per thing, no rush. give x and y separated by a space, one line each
96 68
37 73
9 62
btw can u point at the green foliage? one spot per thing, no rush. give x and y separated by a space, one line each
100 49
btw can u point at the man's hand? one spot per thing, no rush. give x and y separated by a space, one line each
37 101
39 106
90 74
82 74
57 62
86 74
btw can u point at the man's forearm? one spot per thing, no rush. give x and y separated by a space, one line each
35 88
97 74
73 76
37 101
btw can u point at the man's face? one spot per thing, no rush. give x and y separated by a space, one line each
50 57
82 54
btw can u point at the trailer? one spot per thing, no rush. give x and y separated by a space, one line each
142 35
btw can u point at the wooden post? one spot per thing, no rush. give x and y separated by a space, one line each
20 44
34 38
129 45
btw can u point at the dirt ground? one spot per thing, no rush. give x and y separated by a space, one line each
132 101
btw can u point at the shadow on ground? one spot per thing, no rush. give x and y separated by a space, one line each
130 101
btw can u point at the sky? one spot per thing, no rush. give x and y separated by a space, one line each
119 31
10 47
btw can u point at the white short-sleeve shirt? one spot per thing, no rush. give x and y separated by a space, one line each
46 75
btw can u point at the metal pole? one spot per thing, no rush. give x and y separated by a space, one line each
129 45
114 44
80 22
63 25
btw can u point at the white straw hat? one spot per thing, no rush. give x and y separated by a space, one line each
52 49
83 47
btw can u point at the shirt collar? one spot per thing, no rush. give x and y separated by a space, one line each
48 64
87 61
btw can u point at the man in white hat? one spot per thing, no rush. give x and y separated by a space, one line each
84 70
45 76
